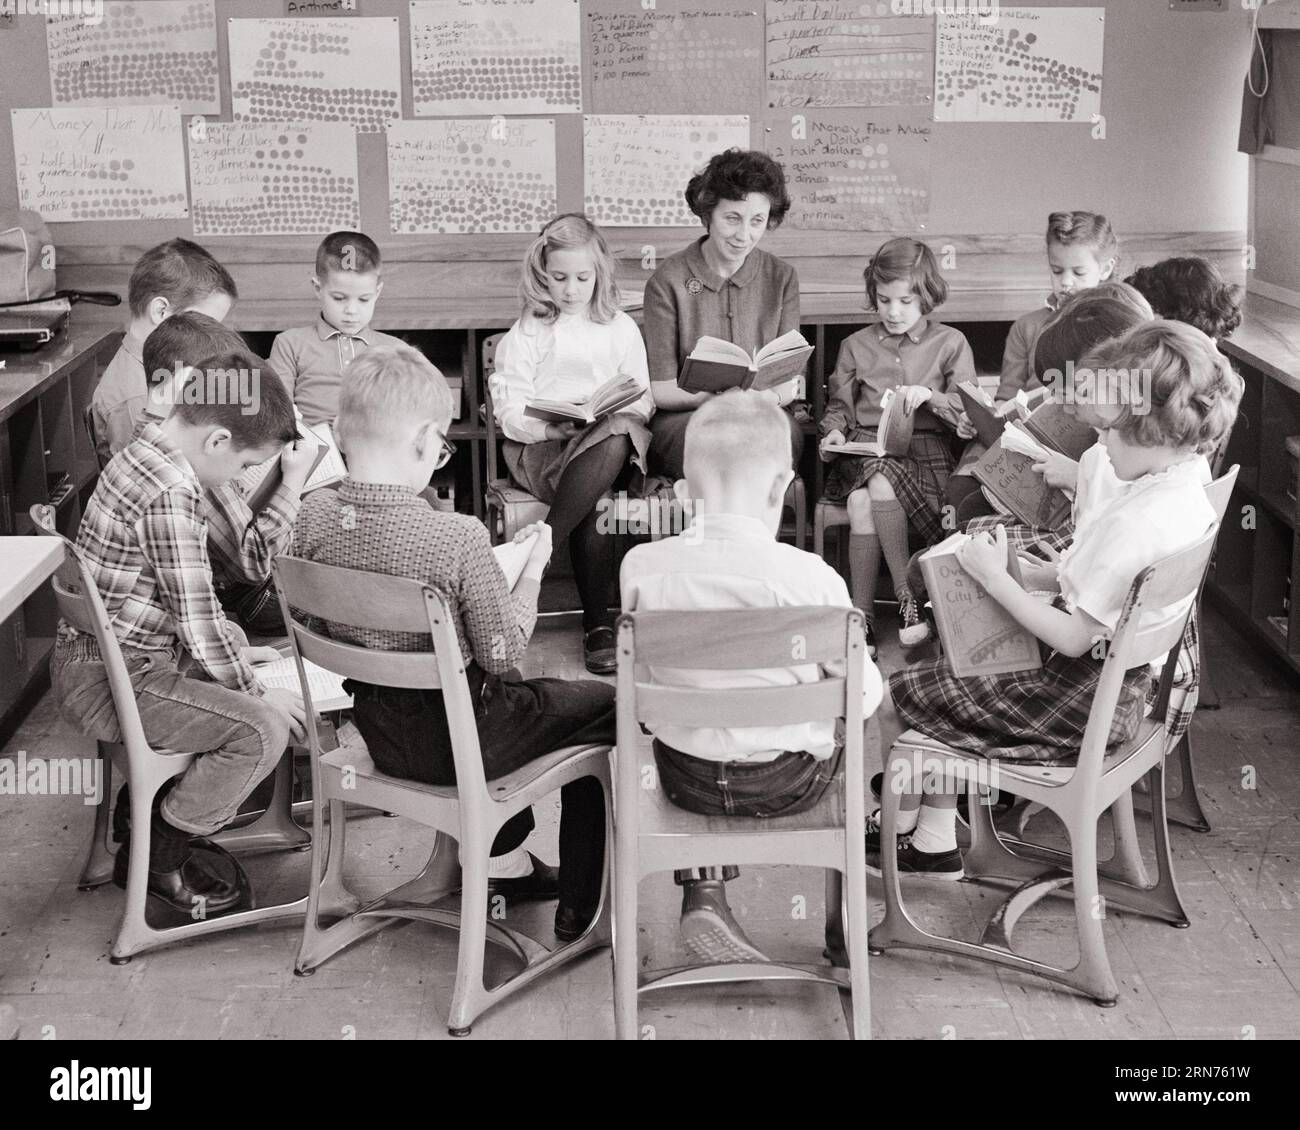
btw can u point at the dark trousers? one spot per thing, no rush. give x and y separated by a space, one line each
786 786
519 721
254 607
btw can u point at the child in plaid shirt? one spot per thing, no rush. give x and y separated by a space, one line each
144 535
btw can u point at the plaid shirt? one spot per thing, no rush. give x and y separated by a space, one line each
144 536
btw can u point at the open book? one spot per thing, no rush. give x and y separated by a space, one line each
715 365
979 636
512 556
326 688
893 433
617 392
262 481
1006 469
987 418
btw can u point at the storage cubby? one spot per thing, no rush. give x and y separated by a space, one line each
45 457
1280 420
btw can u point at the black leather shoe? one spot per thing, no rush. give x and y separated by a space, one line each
599 652
543 883
198 877
571 924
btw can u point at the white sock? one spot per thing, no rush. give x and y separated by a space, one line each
907 820
513 865
936 830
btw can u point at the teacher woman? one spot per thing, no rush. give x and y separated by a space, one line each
721 286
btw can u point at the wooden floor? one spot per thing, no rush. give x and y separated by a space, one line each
1234 974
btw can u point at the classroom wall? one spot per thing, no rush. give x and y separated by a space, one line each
1168 163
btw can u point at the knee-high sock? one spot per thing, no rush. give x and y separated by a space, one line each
890 520
584 480
864 568
592 553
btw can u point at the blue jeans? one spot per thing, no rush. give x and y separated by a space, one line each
789 784
239 738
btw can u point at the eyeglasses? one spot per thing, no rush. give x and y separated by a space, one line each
444 456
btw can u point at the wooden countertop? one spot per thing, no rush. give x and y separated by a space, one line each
25 563
26 375
1268 339
493 312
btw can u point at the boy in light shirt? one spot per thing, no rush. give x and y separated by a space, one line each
312 360
737 464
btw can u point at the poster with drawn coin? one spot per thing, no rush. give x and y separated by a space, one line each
319 69
139 53
469 175
637 165
101 163
274 179
847 170
667 59
1028 65
500 57
836 53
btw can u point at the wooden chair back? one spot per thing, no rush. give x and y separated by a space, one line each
311 592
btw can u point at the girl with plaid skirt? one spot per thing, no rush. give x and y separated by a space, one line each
1153 430
571 339
925 361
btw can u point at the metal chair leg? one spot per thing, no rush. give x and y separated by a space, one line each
98 868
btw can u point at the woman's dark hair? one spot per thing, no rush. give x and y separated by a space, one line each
733 175
1191 290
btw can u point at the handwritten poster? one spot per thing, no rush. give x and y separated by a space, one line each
105 163
637 167
330 70
849 171
495 56
822 53
471 175
277 179
668 60
140 53
1030 65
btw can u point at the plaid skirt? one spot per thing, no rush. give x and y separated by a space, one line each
1019 715
918 478
1187 678
537 467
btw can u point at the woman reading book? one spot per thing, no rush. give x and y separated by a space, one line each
720 286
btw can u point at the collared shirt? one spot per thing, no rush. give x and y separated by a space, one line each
145 539
1124 526
311 360
388 528
873 360
686 300
567 359
120 397
1018 356
241 543
732 561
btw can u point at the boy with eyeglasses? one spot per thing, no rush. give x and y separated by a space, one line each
394 412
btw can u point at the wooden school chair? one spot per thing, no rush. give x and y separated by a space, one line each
1183 806
510 507
268 831
471 812
146 770
1078 795
653 835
